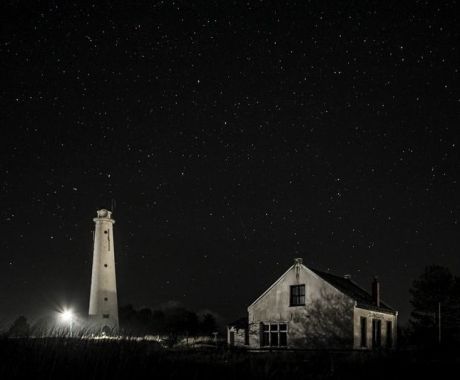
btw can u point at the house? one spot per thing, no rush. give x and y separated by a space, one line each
309 309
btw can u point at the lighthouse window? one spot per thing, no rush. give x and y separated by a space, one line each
105 315
106 232
106 299
105 265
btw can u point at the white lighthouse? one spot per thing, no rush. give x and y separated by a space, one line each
103 305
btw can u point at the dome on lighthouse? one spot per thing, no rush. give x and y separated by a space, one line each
103 213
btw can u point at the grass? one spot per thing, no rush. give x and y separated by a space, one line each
63 358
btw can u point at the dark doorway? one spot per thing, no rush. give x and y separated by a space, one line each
376 333
389 334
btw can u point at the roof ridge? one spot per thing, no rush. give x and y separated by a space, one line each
356 285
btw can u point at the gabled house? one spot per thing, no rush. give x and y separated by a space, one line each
309 309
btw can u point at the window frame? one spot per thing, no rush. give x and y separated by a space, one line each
268 332
297 299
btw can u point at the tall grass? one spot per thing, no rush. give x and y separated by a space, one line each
63 357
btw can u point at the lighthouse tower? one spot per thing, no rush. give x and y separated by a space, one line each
103 305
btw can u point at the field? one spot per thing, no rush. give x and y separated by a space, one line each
62 358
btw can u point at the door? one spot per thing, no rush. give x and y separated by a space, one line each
232 338
376 333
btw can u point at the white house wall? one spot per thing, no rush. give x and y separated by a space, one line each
238 336
371 315
326 320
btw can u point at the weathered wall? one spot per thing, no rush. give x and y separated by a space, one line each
326 320
370 315
239 336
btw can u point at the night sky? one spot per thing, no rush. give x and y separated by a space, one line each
231 137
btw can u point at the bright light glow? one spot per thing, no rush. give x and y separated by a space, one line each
67 315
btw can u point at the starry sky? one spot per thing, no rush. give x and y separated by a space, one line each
229 137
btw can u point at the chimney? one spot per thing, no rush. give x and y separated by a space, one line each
298 260
376 291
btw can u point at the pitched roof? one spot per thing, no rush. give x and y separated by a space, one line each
362 297
354 291
272 285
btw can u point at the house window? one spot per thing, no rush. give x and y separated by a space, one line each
274 341
274 335
389 336
265 335
283 334
376 333
363 328
297 295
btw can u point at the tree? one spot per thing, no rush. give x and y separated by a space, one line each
144 321
208 324
158 322
329 323
435 288
173 321
180 321
19 328
128 318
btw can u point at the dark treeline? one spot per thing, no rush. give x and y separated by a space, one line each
172 321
